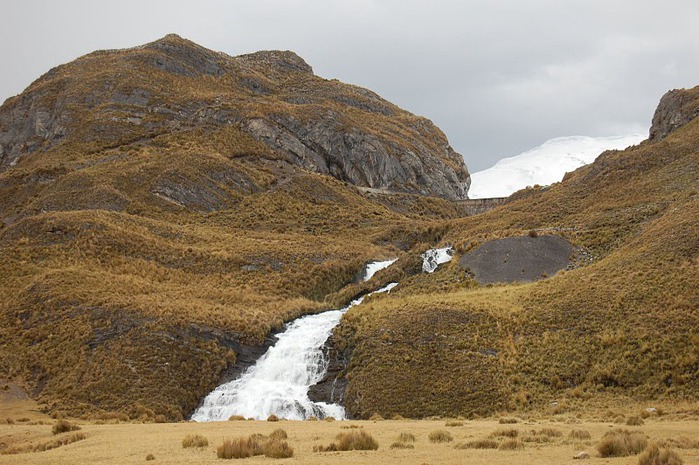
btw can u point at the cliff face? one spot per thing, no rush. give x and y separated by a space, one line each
676 108
112 98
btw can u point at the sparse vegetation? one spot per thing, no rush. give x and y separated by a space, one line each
620 443
194 440
655 455
63 426
351 440
579 435
479 444
440 436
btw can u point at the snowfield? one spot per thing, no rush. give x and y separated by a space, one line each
545 164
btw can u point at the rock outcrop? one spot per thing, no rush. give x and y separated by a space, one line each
676 108
113 98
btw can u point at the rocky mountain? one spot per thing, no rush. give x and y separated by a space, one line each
110 98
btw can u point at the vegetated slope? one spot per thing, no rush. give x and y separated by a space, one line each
153 234
624 325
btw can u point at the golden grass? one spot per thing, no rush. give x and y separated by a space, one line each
194 440
620 443
163 441
655 455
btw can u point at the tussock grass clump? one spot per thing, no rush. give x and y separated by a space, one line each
406 437
508 420
634 421
682 442
579 434
401 445
440 435
272 417
278 434
511 444
351 440
655 455
505 433
454 423
478 444
194 440
351 426
621 443
44 446
63 426
277 449
239 448
236 418
150 457
376 417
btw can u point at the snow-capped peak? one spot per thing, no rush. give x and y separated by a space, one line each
545 164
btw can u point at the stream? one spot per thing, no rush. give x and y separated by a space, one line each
278 383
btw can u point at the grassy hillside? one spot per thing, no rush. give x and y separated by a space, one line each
624 326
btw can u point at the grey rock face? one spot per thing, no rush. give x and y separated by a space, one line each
676 108
326 145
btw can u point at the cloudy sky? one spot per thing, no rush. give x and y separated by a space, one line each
498 76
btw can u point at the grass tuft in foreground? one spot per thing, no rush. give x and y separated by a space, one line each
621 443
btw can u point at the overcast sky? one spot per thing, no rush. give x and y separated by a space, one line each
498 77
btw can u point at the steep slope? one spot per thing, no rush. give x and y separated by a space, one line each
110 98
620 327
154 233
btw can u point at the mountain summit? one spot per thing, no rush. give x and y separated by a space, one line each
114 97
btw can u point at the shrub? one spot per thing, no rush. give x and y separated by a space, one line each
654 455
351 440
440 436
150 457
506 433
479 444
508 420
579 434
63 426
634 421
549 432
278 449
401 445
239 448
272 417
511 444
620 443
194 440
278 434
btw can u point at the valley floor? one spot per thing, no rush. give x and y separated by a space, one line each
127 443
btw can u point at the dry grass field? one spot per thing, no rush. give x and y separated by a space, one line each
534 440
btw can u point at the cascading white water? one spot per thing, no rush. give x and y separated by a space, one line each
432 258
278 383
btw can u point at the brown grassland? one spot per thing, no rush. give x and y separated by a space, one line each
138 262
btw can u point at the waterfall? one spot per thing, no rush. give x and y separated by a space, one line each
278 383
432 258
